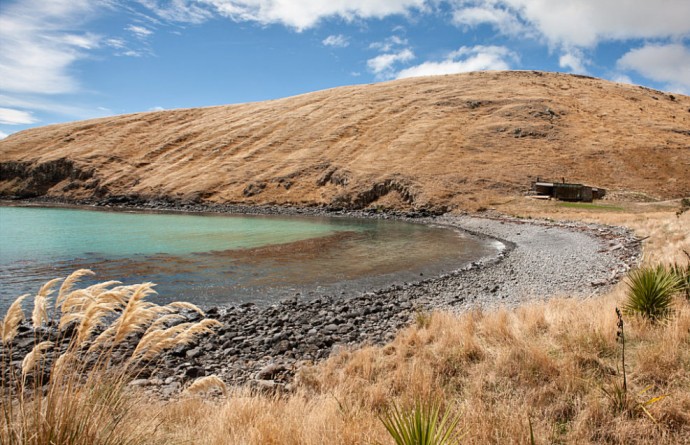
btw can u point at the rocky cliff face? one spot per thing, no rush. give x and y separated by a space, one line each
457 141
24 179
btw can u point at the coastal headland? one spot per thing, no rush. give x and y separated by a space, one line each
457 142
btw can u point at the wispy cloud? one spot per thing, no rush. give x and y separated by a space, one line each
123 48
9 116
382 65
183 11
394 51
465 59
336 41
139 31
44 104
3 135
115 43
296 14
40 45
389 43
576 28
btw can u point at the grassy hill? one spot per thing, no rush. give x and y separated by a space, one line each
458 141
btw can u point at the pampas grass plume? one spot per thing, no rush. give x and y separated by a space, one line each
70 281
186 305
40 313
206 383
57 369
34 356
13 317
156 341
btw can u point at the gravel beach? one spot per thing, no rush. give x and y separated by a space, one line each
264 346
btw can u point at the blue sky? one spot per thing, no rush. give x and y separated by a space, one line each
65 60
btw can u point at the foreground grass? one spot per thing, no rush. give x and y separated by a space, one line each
556 365
552 363
71 388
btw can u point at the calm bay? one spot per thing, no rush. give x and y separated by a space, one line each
218 259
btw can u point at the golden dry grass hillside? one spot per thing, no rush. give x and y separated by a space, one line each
458 141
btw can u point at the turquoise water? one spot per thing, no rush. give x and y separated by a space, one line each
221 259
36 233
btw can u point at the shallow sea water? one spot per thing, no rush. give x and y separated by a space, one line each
224 259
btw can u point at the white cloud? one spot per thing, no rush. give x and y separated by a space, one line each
621 78
39 45
3 135
477 58
9 116
574 61
297 14
131 53
505 21
382 65
50 106
389 43
139 31
582 23
662 63
115 43
337 41
156 108
393 50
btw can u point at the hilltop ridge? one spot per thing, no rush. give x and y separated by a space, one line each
455 141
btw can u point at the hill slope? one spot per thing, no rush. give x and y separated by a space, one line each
456 141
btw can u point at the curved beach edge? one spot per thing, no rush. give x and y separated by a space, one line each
265 346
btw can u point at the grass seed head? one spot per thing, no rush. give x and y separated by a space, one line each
70 281
207 383
34 356
40 312
185 305
13 317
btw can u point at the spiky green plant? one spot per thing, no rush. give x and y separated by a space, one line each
650 292
682 272
422 425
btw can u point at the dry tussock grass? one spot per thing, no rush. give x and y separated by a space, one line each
549 362
71 386
556 364
347 142
552 368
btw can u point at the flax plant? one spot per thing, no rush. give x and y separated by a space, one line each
682 272
423 425
650 292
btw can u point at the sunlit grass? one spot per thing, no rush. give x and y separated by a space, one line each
590 206
550 370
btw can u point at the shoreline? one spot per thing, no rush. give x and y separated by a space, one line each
265 346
